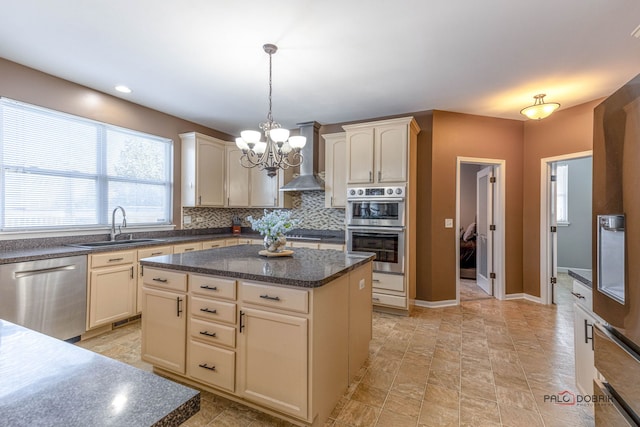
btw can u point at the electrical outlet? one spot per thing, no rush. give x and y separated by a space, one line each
361 284
448 223
186 219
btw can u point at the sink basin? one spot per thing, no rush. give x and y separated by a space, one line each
114 243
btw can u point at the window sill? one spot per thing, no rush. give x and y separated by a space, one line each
563 224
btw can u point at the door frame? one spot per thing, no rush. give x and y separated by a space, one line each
545 241
500 172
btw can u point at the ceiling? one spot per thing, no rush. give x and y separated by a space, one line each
338 60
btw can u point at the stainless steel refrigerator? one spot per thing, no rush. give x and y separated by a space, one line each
616 264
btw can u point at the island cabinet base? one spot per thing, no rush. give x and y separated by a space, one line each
294 350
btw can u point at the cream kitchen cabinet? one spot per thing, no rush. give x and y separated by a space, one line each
335 180
252 187
164 323
297 244
146 253
112 287
203 170
389 290
378 152
211 244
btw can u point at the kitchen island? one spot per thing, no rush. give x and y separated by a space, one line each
284 335
48 382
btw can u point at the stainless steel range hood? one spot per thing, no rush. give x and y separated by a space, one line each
307 180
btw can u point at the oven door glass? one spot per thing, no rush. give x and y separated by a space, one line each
367 212
387 245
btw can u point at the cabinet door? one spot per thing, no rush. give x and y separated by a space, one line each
237 180
360 156
273 367
146 253
164 329
264 189
112 294
583 340
210 169
391 153
335 185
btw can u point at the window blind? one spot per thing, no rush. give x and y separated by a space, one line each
63 171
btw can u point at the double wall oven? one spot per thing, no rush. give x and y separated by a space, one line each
375 219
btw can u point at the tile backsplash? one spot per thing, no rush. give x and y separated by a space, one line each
308 207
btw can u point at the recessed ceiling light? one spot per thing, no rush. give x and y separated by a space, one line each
123 89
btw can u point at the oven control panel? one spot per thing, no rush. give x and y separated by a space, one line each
375 192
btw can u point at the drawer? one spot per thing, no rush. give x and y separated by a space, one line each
309 245
583 295
212 286
212 365
164 279
276 297
213 244
231 242
390 282
113 258
187 247
334 246
213 310
159 250
390 300
245 241
213 333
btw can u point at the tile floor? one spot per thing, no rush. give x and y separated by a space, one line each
483 363
470 291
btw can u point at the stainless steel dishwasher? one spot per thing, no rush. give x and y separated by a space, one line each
48 296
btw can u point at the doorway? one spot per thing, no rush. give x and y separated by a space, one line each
480 192
565 223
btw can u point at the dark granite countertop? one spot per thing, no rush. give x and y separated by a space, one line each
309 268
582 275
48 382
36 249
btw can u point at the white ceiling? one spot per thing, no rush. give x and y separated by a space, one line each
338 60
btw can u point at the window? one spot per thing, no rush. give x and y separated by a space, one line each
61 171
562 193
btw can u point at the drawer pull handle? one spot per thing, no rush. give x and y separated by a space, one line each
207 333
160 279
205 366
579 296
189 249
376 280
115 259
211 288
375 299
265 296
206 310
156 253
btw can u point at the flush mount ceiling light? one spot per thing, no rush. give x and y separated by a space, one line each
540 109
123 89
278 151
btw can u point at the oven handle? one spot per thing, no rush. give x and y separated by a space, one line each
381 199
366 228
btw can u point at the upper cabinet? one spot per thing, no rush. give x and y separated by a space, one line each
378 152
252 187
335 181
203 170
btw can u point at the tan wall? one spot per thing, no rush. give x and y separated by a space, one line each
465 135
34 87
565 132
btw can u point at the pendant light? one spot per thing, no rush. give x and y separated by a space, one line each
540 109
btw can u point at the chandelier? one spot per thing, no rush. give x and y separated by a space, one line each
278 150
540 109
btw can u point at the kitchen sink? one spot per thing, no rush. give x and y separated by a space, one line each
91 245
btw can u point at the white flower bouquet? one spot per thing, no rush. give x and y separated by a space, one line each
273 226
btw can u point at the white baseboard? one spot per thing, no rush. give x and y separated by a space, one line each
436 304
523 296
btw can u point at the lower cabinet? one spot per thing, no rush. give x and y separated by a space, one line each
212 365
112 287
273 365
583 347
389 290
164 322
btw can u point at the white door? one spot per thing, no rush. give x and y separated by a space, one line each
484 238
553 227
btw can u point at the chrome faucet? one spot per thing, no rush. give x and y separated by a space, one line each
113 222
